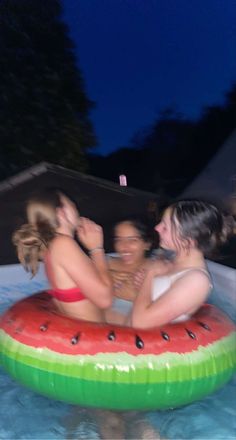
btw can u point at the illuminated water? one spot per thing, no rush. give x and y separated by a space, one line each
26 415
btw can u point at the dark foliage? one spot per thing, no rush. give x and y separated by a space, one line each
43 106
170 153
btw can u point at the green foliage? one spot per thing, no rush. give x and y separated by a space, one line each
42 99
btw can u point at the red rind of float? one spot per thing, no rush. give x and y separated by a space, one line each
29 318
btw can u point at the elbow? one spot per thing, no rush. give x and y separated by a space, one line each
140 325
139 322
106 303
143 321
105 300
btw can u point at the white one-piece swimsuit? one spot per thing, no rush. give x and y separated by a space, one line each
161 284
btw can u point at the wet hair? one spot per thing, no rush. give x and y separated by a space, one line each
32 238
202 222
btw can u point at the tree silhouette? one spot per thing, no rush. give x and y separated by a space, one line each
43 106
168 154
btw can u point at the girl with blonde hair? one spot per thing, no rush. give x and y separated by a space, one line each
80 284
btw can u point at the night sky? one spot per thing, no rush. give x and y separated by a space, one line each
139 57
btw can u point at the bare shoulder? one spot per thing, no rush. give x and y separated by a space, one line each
62 244
196 279
159 267
59 240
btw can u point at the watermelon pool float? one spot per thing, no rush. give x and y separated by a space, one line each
109 366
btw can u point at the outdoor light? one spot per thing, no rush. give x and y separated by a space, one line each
123 180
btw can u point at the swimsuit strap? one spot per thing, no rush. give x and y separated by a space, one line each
71 294
192 269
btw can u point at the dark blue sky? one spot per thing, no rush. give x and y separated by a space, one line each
139 57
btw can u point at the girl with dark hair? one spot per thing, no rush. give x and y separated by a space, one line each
80 286
132 246
128 267
191 229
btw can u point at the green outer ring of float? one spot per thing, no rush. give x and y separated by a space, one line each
120 380
119 396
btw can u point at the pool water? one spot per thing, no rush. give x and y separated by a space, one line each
26 415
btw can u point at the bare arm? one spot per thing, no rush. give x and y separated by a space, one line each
91 236
186 294
91 276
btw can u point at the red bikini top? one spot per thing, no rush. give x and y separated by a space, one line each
65 295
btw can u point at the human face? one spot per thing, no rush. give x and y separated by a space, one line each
129 244
164 229
69 211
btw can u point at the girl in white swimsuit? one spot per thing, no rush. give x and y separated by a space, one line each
162 284
191 229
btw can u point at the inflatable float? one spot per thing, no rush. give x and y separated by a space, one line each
108 366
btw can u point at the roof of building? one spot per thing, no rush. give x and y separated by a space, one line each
217 182
218 179
103 201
